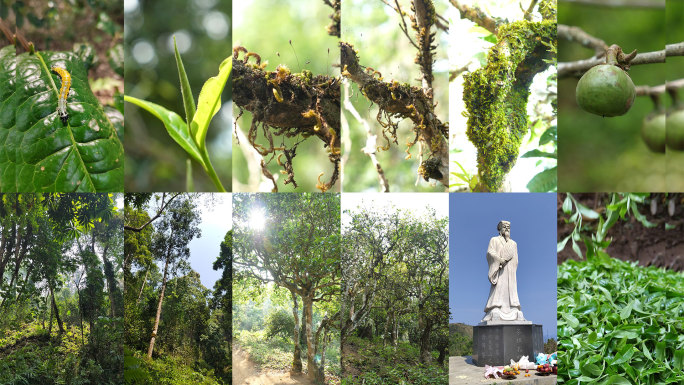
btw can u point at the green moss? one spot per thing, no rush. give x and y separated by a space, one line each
496 96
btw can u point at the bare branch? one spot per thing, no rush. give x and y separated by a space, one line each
674 49
370 149
579 67
660 89
528 12
478 17
576 34
659 4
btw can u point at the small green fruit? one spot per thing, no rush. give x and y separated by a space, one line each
675 130
653 132
605 90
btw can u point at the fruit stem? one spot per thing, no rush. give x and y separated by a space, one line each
612 54
674 96
655 98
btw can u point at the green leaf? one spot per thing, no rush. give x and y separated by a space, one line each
548 135
623 355
586 211
38 152
174 124
186 91
573 322
544 181
660 351
591 370
561 244
539 154
616 380
210 102
567 204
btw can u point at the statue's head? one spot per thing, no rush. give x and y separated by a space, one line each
504 228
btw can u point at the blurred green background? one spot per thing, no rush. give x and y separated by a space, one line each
266 27
675 70
373 29
608 154
154 162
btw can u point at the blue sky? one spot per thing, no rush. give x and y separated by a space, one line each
216 218
473 220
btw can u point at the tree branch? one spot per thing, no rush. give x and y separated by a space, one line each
334 27
579 67
403 101
159 212
659 89
674 49
370 149
576 34
660 4
288 105
478 17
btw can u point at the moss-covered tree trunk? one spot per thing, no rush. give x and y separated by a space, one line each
159 310
496 96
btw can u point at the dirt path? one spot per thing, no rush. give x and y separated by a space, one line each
246 373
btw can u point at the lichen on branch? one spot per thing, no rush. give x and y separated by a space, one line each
496 95
397 101
287 105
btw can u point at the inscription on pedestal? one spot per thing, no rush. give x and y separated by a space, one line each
499 344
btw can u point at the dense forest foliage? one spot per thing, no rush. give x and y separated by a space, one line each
395 310
61 285
287 285
177 330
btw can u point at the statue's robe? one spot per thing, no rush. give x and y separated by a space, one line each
502 257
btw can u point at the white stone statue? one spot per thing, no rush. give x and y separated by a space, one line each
503 305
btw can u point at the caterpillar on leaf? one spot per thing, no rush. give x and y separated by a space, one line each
63 93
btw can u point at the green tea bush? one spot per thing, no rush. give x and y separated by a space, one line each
619 323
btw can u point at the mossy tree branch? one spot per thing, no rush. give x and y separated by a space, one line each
478 17
403 101
496 95
334 27
288 105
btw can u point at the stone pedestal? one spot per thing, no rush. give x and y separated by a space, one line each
500 343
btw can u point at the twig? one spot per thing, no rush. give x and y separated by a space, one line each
674 49
478 17
402 26
659 89
334 27
253 161
528 12
579 67
621 3
576 34
370 149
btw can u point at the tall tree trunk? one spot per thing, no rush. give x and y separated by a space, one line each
80 308
111 284
143 285
297 354
159 309
51 312
311 366
54 307
425 326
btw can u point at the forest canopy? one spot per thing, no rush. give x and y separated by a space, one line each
60 289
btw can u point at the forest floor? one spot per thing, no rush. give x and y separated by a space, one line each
246 372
